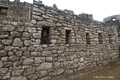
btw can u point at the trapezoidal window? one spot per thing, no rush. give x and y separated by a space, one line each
3 11
87 38
68 36
110 40
100 38
45 35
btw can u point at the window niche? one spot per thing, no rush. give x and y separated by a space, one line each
88 38
100 38
45 35
68 36
3 11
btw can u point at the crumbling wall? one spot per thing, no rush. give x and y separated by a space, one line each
23 55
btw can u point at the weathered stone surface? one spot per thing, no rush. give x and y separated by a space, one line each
13 58
44 66
17 72
15 34
18 78
4 59
7 76
29 71
33 77
49 59
4 36
3 53
19 53
27 54
6 42
57 72
37 17
27 42
1 64
39 59
37 35
8 28
28 61
17 42
26 35
8 64
3 70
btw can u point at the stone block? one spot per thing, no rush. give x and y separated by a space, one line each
56 72
6 42
44 66
28 61
18 78
3 53
17 42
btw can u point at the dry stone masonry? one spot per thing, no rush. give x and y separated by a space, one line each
38 42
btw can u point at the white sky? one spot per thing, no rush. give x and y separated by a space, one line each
99 8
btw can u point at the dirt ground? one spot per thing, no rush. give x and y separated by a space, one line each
105 74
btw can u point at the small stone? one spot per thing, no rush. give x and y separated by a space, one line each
81 59
3 70
39 49
34 54
33 77
44 66
19 53
31 48
49 59
17 72
17 43
56 72
26 35
15 34
6 42
1 64
6 76
8 28
39 59
27 42
27 54
4 59
8 64
28 61
29 71
3 53
43 74
13 58
33 21
4 36
37 17
45 53
37 35
18 78
53 41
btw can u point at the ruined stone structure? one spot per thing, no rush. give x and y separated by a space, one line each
38 42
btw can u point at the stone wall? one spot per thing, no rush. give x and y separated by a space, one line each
23 56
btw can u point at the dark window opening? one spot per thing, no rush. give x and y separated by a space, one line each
100 38
45 35
3 10
87 38
110 40
67 36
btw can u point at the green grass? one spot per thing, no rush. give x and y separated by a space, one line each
108 74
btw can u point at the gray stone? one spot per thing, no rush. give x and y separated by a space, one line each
15 34
17 72
49 59
3 70
33 21
53 41
28 61
56 72
27 54
37 35
17 42
39 49
81 59
8 28
7 76
31 48
42 74
8 64
1 64
26 35
44 66
6 42
29 71
27 42
4 36
39 59
19 53
33 77
45 53
34 54
37 17
3 53
13 58
18 78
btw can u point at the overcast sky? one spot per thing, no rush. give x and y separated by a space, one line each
99 8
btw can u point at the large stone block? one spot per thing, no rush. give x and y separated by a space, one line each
44 66
8 28
3 53
6 42
17 42
17 72
18 78
28 61
37 35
